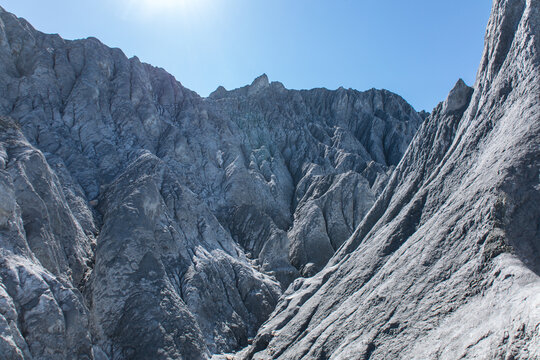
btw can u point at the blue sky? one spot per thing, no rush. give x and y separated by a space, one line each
416 48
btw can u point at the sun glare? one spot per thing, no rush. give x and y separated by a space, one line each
153 8
164 5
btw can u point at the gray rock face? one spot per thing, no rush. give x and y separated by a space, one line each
139 220
44 257
179 273
446 263
295 154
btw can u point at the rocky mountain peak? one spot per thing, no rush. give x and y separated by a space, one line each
458 98
139 220
218 93
174 222
259 84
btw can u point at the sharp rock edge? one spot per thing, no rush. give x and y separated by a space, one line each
139 220
446 264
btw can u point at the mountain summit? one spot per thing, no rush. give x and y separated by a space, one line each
139 220
446 263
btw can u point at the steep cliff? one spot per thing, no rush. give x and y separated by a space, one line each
143 221
446 264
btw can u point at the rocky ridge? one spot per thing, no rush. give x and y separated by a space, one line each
139 220
446 264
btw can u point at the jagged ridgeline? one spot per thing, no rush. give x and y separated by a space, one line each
139 220
446 263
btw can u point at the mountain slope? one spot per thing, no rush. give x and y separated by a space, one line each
447 262
143 221
96 109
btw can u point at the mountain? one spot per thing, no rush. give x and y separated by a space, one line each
139 220
446 264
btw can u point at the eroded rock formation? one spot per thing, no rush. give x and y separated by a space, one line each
143 221
446 263
139 220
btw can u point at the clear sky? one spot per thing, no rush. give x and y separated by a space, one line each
416 48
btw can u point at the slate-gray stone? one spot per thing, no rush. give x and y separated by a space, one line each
446 263
175 221
139 220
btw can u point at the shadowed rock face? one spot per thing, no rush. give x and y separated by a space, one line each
139 220
249 153
44 256
446 263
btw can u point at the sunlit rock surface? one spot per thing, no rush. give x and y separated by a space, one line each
446 263
139 220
